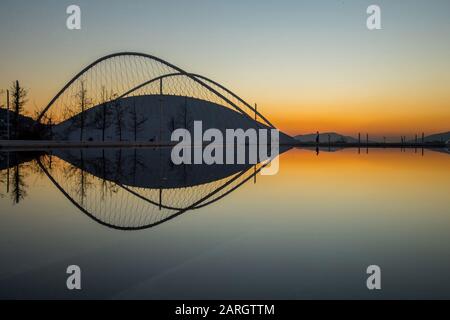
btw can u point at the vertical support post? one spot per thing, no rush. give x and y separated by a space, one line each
367 143
185 127
257 144
7 172
257 135
423 142
51 128
7 114
415 143
82 185
359 142
17 110
160 108
160 137
185 113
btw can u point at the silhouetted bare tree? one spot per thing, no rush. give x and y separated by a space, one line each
137 121
82 103
3 180
19 187
137 162
2 93
119 115
102 117
3 129
83 181
18 101
119 173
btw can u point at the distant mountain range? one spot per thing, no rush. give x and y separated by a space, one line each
323 137
438 137
336 137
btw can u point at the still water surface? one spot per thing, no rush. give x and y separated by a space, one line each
141 228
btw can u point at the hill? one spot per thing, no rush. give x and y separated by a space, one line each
436 138
156 117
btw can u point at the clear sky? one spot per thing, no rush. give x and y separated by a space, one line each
310 65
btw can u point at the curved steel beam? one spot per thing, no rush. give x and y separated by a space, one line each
236 96
204 78
195 205
237 176
147 83
144 55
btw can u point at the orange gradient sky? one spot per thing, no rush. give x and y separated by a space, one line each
309 65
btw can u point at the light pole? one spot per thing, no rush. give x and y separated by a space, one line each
257 146
7 113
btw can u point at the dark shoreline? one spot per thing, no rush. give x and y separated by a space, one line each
36 144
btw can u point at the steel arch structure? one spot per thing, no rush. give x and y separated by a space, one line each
202 78
154 216
124 73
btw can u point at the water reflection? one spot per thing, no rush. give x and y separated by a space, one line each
315 225
14 168
131 188
126 189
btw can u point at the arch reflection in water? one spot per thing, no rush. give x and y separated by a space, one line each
139 188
